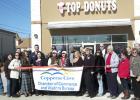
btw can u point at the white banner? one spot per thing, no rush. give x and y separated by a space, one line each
57 79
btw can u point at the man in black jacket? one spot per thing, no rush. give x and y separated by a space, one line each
33 58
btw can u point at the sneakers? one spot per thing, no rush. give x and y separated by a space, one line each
15 96
110 96
113 97
99 95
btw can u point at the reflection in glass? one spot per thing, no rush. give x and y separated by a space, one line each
67 41
119 38
103 38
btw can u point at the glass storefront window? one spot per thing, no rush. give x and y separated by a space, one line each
119 42
57 40
103 38
74 39
81 38
119 38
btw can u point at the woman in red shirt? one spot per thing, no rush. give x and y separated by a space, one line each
124 74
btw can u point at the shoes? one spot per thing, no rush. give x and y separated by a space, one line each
137 98
110 96
126 95
133 98
87 96
79 94
99 95
8 95
36 94
113 97
26 95
30 94
3 94
15 96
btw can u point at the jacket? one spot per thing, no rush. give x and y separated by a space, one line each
13 65
6 70
114 62
135 65
124 69
99 64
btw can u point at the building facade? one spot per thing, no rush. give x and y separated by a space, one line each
81 23
7 42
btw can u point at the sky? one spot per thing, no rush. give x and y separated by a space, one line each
15 16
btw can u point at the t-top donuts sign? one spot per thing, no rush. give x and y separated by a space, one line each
87 6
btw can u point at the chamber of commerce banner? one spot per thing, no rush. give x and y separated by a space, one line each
57 79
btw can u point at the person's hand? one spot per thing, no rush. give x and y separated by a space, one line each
2 69
107 66
125 78
17 68
138 79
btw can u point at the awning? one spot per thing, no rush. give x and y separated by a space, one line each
89 23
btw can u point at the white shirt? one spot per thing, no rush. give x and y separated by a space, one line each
13 65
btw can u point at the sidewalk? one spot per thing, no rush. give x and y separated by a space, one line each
51 97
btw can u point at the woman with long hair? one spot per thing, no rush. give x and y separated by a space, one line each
14 74
78 62
64 61
25 75
99 67
7 73
53 60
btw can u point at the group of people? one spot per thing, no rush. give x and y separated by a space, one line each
99 73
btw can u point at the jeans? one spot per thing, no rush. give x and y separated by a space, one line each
8 87
1 86
4 81
112 83
100 82
125 83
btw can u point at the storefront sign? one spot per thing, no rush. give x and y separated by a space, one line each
87 6
57 79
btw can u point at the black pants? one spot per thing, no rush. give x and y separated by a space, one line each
89 82
125 83
136 87
14 86
105 83
112 83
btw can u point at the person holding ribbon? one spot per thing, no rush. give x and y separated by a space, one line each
26 87
14 74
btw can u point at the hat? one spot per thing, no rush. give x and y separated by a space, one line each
54 51
64 52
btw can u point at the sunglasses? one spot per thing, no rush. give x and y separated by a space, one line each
16 55
134 52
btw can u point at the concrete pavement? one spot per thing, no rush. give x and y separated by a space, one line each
52 97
